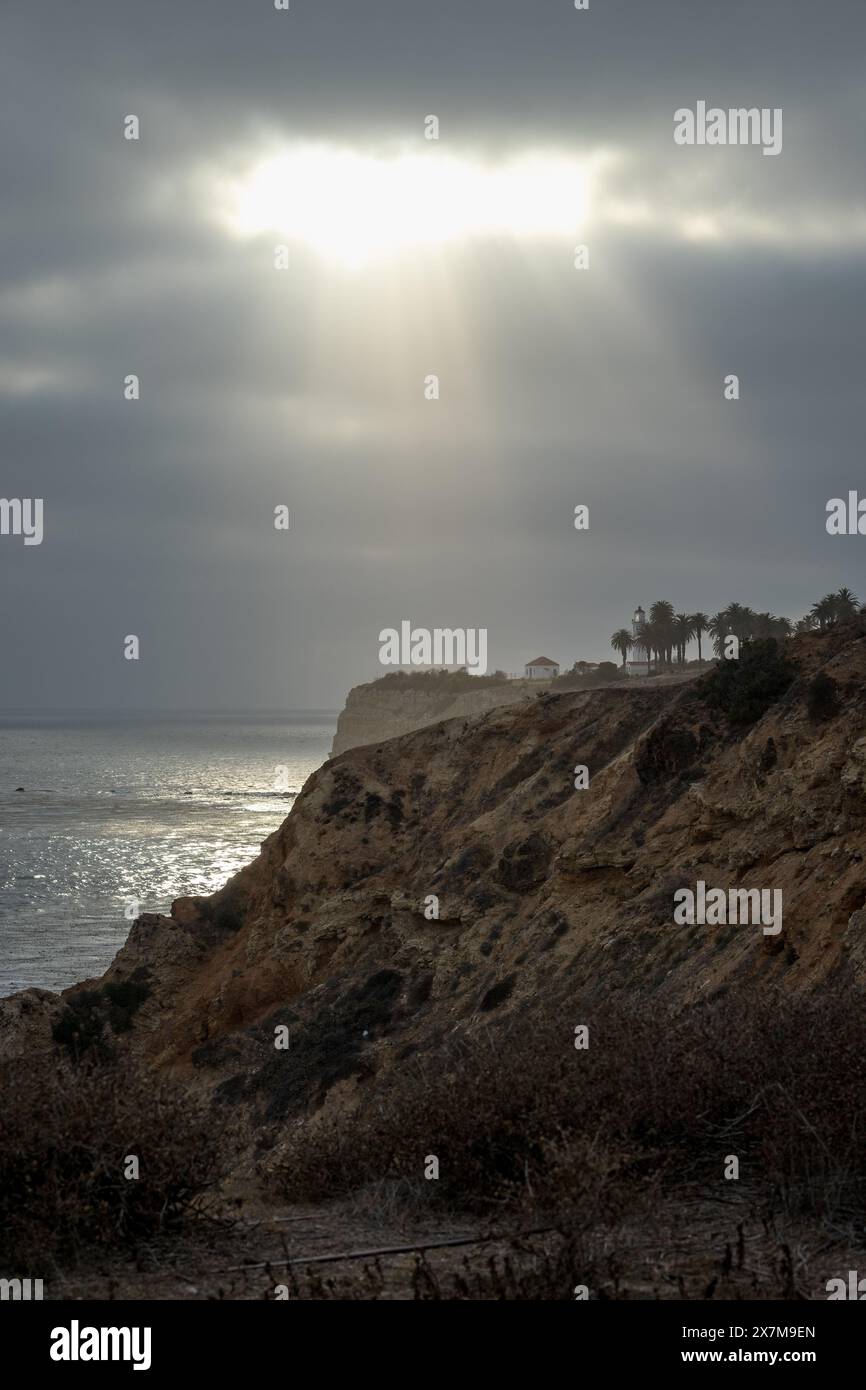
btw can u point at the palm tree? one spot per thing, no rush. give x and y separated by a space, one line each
742 620
683 633
845 605
824 612
737 620
719 627
662 621
622 642
806 624
647 637
700 625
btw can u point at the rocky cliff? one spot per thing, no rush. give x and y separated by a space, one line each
380 710
447 877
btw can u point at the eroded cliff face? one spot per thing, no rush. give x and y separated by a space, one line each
376 711
548 897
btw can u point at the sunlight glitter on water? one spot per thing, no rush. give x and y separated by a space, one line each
121 811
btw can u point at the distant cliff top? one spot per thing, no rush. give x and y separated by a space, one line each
401 702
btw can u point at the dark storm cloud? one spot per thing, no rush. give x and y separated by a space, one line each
558 388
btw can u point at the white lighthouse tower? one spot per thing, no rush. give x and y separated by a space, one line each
638 661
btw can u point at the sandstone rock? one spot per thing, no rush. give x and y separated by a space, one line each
186 911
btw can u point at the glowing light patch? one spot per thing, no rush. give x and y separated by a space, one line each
355 208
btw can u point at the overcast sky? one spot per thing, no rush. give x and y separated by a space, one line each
305 386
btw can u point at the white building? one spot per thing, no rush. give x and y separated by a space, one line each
542 668
638 659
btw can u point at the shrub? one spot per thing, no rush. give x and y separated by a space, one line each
91 1017
667 752
822 698
605 672
224 911
64 1136
743 690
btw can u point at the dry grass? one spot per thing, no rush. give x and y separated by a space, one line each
521 1122
65 1135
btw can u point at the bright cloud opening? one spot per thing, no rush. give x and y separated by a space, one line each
355 208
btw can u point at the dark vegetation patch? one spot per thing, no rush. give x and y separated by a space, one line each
372 806
224 912
822 698
326 1048
345 794
743 690
393 810
525 863
666 752
93 1017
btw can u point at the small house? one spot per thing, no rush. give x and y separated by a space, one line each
542 668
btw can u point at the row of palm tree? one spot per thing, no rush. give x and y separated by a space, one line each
665 634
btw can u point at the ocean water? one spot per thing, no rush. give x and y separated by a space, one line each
131 808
